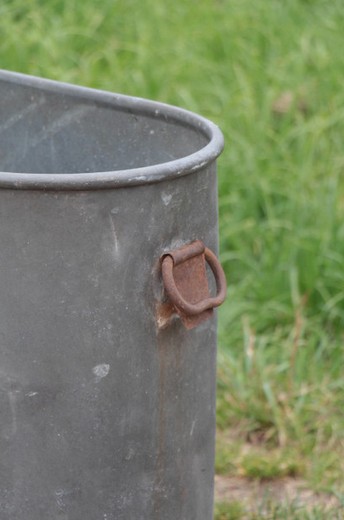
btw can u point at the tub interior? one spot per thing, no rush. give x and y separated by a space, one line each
43 131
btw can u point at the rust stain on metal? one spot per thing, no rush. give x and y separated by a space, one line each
171 447
186 285
158 495
165 312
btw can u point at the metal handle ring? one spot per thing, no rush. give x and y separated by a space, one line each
192 309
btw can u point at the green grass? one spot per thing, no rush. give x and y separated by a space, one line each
229 511
270 73
272 511
263 462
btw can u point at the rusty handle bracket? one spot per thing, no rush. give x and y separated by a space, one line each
186 284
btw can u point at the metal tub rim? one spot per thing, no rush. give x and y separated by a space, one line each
118 178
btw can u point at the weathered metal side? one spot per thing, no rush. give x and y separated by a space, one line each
102 414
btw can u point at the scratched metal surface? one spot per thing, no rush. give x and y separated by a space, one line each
102 415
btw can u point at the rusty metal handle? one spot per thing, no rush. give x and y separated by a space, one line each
192 309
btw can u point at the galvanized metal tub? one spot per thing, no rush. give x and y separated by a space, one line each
107 401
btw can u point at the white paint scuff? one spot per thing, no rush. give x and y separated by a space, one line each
192 428
114 235
166 198
101 371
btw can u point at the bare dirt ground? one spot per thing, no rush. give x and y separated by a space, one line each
280 491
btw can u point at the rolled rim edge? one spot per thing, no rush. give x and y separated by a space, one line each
117 178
